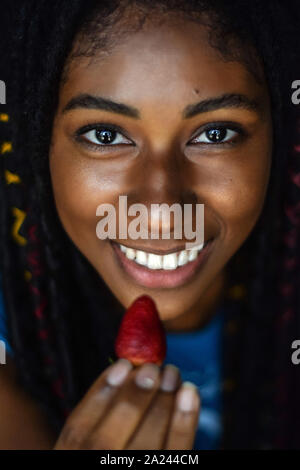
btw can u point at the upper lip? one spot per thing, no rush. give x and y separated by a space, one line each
157 251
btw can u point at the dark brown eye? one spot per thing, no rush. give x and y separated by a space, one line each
215 135
106 136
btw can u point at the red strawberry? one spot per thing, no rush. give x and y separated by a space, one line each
141 337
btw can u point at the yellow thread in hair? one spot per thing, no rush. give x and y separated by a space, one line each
12 178
4 117
27 275
20 217
6 147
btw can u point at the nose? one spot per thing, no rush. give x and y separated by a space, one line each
162 178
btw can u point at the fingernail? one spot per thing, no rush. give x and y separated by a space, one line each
147 375
188 398
169 379
118 372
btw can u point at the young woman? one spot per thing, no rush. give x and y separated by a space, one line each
164 102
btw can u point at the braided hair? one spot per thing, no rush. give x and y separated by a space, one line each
59 309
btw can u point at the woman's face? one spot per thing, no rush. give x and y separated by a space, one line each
162 119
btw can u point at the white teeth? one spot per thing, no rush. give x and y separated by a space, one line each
167 262
141 258
154 261
170 261
130 253
193 255
183 258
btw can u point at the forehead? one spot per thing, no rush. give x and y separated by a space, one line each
163 63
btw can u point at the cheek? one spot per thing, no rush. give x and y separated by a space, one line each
234 188
79 187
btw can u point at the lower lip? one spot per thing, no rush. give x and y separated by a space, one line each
160 278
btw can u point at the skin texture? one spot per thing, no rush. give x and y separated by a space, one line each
160 72
105 408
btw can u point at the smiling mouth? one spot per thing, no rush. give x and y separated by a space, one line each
161 270
166 262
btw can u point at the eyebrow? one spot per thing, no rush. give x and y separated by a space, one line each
228 100
96 102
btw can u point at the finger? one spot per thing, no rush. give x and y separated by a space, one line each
152 431
182 431
127 410
93 405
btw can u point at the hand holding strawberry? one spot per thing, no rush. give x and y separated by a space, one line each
140 407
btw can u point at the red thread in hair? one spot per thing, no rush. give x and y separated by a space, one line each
286 289
293 213
39 311
57 388
32 233
290 263
34 289
297 148
33 260
290 239
43 334
295 177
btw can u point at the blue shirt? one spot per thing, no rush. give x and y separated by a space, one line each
198 356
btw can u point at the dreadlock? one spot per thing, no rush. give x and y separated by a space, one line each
59 310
